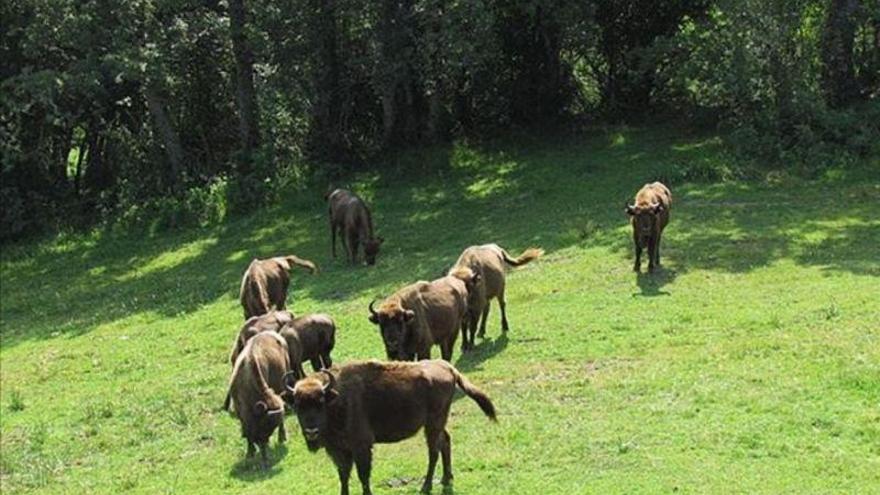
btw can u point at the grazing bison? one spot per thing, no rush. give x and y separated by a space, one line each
488 262
350 217
265 283
273 321
317 336
423 314
347 410
649 216
257 380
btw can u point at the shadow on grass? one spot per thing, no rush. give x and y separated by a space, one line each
482 351
651 284
553 193
252 469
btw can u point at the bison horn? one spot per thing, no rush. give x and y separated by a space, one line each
286 380
373 311
331 380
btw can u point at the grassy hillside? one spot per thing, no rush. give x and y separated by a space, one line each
751 363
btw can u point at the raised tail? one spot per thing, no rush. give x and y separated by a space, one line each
295 260
527 256
476 394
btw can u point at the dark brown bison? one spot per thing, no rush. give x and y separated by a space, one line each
317 337
347 410
423 314
488 262
255 387
350 216
649 216
264 285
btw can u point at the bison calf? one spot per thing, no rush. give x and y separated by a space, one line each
488 262
350 217
347 410
317 337
257 381
265 283
649 216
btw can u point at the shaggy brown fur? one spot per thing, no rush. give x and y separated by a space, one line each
423 314
265 283
488 262
317 337
649 216
349 409
256 382
350 216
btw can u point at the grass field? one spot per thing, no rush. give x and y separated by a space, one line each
750 363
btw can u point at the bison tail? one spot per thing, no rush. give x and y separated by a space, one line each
295 260
527 256
476 394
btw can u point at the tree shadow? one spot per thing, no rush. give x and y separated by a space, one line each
554 193
252 469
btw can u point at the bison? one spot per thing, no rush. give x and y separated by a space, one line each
488 262
649 216
350 216
423 314
277 322
265 283
317 337
257 381
349 409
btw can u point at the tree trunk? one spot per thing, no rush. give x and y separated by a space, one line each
248 113
170 140
838 36
327 112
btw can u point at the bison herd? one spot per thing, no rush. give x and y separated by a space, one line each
346 409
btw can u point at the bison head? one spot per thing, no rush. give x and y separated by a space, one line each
309 398
644 217
371 249
394 324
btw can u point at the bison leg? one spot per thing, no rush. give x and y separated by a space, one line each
435 440
483 320
465 345
250 449
316 363
657 249
363 459
343 463
282 433
502 303
446 453
638 249
333 239
446 348
264 456
652 247
326 361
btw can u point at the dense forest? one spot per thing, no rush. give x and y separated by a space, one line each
120 111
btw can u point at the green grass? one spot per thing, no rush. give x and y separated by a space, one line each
750 364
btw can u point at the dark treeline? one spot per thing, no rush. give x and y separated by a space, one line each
125 110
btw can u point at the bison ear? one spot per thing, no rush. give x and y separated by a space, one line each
330 395
408 315
476 278
260 408
658 208
630 210
374 319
